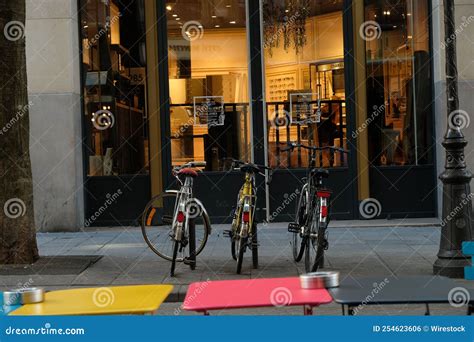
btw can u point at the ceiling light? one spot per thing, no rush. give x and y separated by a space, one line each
169 8
178 19
214 16
232 22
228 6
217 26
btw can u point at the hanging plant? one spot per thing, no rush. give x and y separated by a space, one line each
287 22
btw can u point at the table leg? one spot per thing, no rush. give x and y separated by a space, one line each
343 310
350 310
470 309
206 313
308 310
427 313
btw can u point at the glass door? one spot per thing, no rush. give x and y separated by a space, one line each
209 94
305 97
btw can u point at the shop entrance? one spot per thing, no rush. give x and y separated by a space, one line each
213 82
306 102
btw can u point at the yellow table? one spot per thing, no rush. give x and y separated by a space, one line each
116 300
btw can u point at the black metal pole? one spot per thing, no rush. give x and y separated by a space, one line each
456 225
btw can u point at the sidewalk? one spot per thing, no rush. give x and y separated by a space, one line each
404 247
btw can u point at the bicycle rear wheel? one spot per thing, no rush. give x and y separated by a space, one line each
314 253
321 247
157 226
311 240
241 246
235 231
173 259
298 242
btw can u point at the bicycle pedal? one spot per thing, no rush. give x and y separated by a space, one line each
294 228
188 261
228 233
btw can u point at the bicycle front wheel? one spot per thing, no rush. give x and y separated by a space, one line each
157 226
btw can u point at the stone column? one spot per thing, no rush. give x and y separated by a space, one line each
53 62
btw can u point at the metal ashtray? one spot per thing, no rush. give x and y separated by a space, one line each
29 295
319 280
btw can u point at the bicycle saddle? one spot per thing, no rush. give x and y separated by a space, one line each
249 168
323 173
188 173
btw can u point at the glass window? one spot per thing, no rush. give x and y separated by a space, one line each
399 92
114 74
304 80
208 77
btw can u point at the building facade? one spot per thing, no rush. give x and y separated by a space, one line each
122 91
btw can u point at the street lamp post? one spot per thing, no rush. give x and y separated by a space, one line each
456 226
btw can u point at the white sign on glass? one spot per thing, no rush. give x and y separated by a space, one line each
209 111
303 109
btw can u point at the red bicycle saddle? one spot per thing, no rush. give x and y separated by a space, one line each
188 173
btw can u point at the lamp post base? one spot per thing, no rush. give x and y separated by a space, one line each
450 267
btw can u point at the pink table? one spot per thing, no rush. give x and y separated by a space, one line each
252 293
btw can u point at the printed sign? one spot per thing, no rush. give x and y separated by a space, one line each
209 111
303 109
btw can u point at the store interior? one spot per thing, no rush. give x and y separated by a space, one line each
304 82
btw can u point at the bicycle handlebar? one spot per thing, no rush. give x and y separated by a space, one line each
261 167
291 146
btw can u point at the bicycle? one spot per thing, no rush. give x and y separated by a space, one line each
175 219
243 233
312 212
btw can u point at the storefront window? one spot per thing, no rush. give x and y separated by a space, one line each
208 78
304 80
114 64
399 82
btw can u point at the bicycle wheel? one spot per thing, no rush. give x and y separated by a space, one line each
235 231
241 246
175 255
157 229
298 244
311 241
321 246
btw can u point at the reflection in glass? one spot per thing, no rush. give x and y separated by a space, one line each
207 46
304 80
399 83
113 59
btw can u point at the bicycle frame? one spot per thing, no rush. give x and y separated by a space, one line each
245 205
180 226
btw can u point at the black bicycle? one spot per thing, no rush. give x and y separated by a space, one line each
312 212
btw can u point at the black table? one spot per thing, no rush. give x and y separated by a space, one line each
358 292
